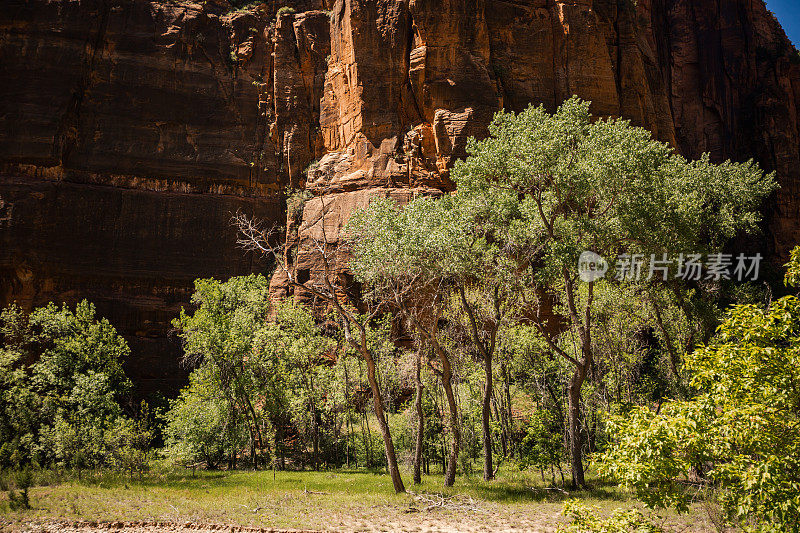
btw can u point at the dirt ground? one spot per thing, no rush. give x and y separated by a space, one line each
139 527
164 527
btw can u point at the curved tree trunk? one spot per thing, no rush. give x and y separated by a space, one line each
584 327
452 461
487 351
488 469
391 457
420 422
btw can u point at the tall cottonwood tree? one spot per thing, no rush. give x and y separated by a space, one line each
220 334
431 258
399 256
555 185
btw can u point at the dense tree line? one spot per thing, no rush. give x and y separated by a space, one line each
476 339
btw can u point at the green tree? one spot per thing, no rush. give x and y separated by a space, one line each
407 258
542 447
738 435
290 355
220 334
433 259
19 405
199 427
555 185
63 386
328 287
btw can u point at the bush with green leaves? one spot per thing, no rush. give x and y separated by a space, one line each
583 519
738 437
199 428
63 386
295 378
264 382
542 448
18 484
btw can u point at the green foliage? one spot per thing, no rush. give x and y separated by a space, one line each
563 183
290 361
792 278
547 187
198 428
17 485
221 330
60 406
295 201
264 380
219 337
542 447
738 435
286 10
130 442
424 240
583 519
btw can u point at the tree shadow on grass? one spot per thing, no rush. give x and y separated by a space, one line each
516 492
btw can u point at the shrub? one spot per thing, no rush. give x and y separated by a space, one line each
17 487
58 409
738 436
582 519
197 429
543 446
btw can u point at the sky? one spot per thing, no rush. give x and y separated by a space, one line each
788 13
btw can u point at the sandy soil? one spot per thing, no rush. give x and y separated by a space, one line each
433 525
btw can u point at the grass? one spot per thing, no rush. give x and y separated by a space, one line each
333 501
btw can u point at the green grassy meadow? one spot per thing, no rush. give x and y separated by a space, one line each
328 501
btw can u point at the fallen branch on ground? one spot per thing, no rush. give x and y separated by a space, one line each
458 502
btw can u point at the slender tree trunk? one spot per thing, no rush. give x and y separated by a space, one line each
452 461
349 421
674 359
575 438
578 377
500 415
487 351
508 415
314 437
391 457
488 470
420 421
446 376
367 433
279 444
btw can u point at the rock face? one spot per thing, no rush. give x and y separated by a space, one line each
131 130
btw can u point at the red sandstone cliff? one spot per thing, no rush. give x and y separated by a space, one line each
130 130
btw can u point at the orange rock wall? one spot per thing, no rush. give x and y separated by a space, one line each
131 130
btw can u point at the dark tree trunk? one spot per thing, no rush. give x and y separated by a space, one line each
420 422
452 461
391 457
575 436
508 414
578 377
488 469
315 437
